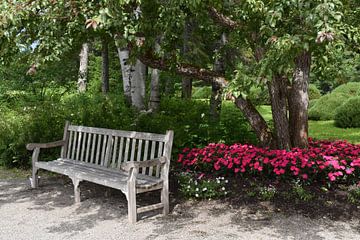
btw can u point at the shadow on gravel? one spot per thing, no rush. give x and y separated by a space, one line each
98 203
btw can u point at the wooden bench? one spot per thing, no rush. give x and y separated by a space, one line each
133 162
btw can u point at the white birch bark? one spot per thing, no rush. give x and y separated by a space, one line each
154 101
138 86
83 68
126 71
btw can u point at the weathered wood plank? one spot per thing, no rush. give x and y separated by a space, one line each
88 146
108 151
63 153
114 154
82 155
103 152
68 155
73 150
139 150
145 157
152 155
78 148
150 207
93 147
119 133
121 149
159 154
133 147
127 149
98 149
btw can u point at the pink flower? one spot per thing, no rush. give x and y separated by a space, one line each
304 176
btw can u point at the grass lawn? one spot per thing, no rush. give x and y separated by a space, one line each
322 129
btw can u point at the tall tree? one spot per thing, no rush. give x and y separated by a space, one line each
105 66
154 101
216 90
83 68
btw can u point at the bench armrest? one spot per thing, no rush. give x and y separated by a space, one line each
32 146
127 166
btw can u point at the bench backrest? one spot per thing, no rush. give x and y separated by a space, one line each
110 148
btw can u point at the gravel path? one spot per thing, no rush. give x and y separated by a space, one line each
49 213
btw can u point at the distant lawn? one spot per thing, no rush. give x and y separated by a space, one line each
322 129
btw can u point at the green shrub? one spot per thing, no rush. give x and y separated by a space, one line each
259 95
312 103
325 107
348 114
349 89
201 92
314 92
200 187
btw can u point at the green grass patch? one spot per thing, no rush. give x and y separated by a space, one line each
322 129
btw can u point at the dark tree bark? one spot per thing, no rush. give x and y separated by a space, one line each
299 101
105 66
256 121
278 96
186 84
216 90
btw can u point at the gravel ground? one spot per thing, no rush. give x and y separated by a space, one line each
49 213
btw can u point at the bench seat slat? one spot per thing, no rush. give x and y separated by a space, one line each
97 174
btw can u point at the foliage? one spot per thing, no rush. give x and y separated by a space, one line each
350 89
201 93
325 107
314 92
348 114
202 187
301 193
324 162
354 194
312 103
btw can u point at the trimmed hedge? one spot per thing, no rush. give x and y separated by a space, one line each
350 89
314 92
348 114
325 107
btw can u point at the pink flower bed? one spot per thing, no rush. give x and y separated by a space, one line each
323 161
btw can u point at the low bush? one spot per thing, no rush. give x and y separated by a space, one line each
323 162
348 114
312 103
325 107
200 187
314 92
349 89
44 121
201 92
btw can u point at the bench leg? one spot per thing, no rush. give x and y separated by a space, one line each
76 183
34 181
165 198
131 197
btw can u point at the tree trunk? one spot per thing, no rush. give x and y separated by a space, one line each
127 71
83 68
186 88
105 66
257 122
278 96
138 86
299 101
186 81
216 90
154 101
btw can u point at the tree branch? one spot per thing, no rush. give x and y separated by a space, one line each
223 20
206 75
